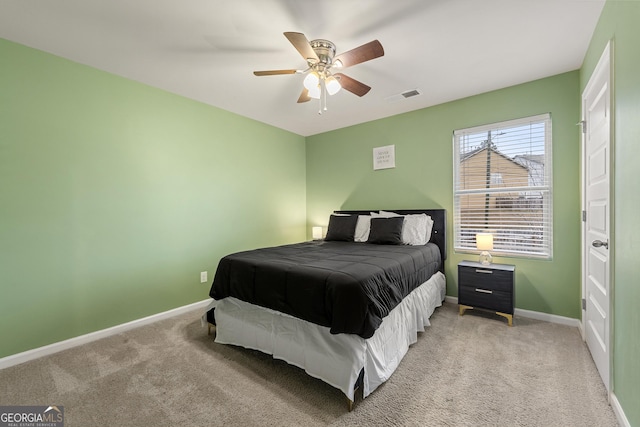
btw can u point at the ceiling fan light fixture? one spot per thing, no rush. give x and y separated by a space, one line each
332 85
311 81
314 92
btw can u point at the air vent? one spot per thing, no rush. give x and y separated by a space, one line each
404 95
410 93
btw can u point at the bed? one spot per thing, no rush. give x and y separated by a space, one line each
346 308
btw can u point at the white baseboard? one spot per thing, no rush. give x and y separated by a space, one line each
536 315
568 321
452 300
617 409
16 359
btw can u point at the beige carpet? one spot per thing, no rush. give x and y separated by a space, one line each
463 371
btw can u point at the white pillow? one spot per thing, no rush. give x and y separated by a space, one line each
429 228
363 226
414 230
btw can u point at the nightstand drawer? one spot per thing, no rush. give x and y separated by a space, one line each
486 298
486 278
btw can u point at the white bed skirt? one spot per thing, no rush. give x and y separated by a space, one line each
335 359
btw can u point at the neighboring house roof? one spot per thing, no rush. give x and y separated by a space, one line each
474 152
535 164
529 160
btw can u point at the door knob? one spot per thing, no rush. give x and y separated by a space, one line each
599 243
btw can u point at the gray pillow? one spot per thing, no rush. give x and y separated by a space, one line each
386 231
341 228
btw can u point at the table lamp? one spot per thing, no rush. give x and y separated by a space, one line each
484 243
316 232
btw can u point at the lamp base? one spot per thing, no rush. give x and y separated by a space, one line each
485 258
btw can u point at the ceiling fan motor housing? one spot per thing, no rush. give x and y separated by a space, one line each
325 50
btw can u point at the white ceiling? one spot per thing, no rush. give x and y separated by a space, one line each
207 49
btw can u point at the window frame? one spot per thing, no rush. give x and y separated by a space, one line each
461 244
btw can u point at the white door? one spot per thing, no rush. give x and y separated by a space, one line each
596 115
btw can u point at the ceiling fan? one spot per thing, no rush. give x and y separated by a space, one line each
321 59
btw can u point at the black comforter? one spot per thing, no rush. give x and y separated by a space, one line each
349 287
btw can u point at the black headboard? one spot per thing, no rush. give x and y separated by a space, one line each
439 217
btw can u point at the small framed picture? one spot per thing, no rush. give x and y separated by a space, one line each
384 157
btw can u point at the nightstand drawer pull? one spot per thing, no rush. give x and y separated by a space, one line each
484 271
484 291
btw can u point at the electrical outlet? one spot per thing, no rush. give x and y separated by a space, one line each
203 277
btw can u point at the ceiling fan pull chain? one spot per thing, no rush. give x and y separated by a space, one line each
324 95
323 100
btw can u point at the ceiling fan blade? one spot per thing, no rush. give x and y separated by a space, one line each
274 72
363 53
352 85
300 42
304 96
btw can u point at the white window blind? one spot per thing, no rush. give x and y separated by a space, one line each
503 186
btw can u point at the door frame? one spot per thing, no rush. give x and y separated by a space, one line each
602 66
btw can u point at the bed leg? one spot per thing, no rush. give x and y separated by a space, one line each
358 388
350 404
210 328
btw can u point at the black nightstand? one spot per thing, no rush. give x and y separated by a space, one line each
490 287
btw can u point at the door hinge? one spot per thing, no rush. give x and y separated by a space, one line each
583 124
584 304
584 216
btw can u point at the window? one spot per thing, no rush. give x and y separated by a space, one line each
502 185
496 178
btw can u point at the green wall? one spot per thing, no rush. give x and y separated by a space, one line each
340 175
619 22
115 195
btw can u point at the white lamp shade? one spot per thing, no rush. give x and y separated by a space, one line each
311 81
316 232
332 85
484 241
314 92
